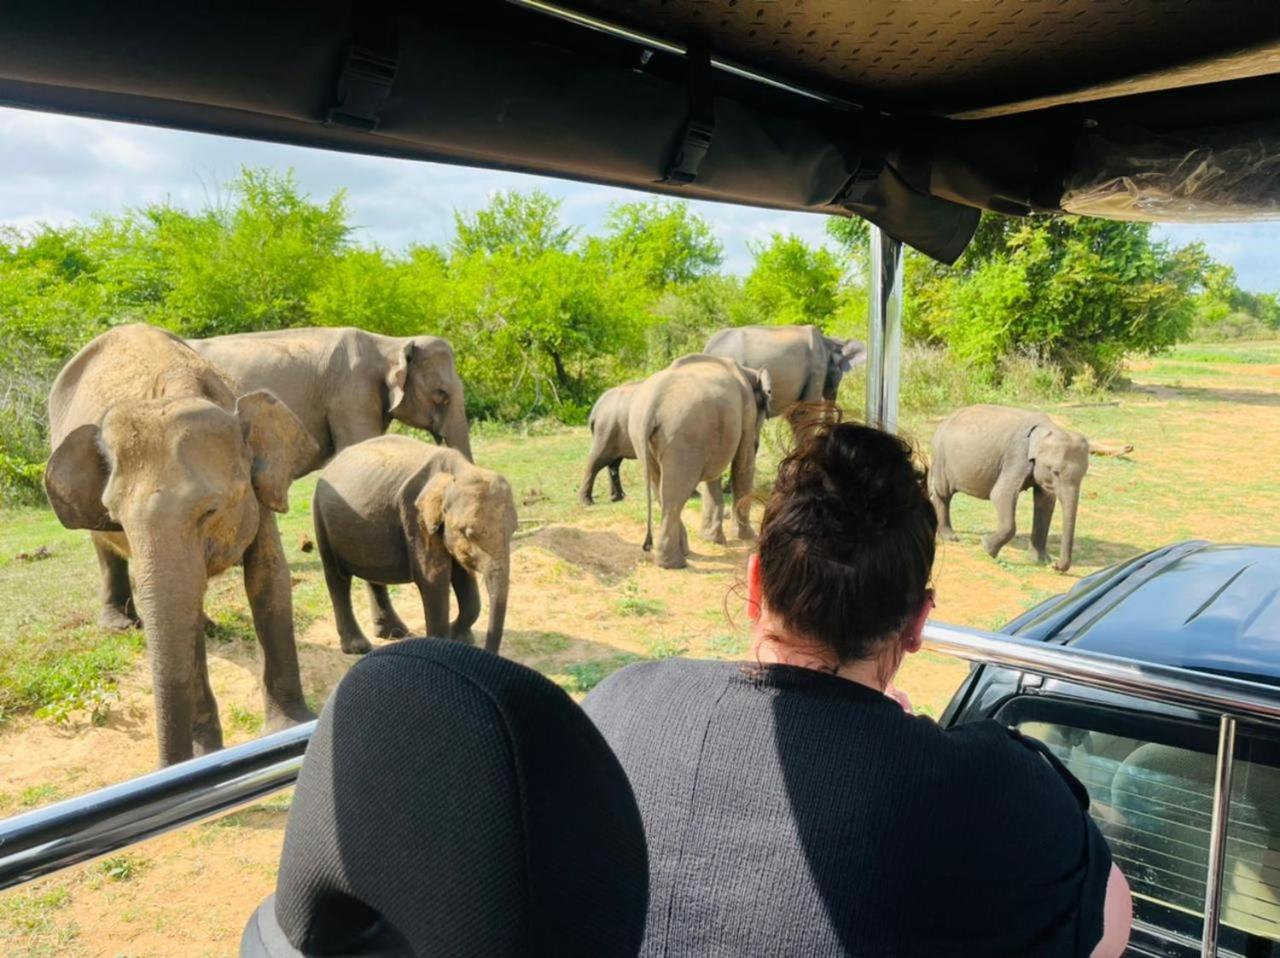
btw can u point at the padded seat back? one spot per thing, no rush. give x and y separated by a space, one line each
455 803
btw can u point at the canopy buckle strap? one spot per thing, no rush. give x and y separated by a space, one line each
363 87
695 138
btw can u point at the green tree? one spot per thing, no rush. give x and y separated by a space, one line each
791 282
525 225
661 240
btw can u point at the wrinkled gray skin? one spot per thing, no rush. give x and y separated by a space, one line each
804 365
392 510
689 423
346 385
995 452
610 441
154 454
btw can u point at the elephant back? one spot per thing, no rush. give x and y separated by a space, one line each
454 802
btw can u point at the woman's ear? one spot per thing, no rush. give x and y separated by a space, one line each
754 588
913 637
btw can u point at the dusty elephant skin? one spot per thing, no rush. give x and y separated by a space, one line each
995 452
610 441
154 454
346 385
688 423
803 364
393 510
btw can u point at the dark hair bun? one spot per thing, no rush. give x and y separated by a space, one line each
847 542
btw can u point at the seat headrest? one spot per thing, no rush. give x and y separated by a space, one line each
453 802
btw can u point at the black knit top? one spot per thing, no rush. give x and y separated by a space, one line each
792 812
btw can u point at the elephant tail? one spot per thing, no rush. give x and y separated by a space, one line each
644 453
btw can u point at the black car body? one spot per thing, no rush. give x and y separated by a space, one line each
1149 768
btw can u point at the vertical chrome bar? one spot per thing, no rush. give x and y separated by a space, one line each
884 359
1218 833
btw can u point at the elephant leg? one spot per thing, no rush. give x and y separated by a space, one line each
266 580
742 476
467 592
350 635
713 512
1005 498
433 584
615 481
679 477
942 506
1044 503
386 623
206 727
118 610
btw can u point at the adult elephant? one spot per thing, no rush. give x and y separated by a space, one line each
995 452
804 364
155 455
346 385
688 423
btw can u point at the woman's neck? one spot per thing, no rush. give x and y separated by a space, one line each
771 645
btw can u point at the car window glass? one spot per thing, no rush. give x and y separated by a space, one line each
1154 803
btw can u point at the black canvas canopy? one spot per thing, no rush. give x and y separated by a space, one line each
915 114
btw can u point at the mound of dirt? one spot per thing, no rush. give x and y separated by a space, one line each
606 555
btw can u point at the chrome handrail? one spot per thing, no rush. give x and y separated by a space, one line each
73 831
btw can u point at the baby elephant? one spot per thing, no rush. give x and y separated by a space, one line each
393 509
610 441
994 452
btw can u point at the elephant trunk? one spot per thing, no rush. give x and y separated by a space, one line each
497 580
456 432
1070 497
170 584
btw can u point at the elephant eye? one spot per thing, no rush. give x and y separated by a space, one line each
441 397
469 532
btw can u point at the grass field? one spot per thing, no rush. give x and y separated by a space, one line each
75 709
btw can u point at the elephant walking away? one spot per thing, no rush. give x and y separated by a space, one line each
803 364
610 441
995 452
153 453
391 510
688 424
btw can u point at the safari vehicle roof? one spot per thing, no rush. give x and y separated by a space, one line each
915 114
1194 605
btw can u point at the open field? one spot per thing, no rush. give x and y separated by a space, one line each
75 703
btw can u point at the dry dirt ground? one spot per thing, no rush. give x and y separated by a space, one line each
583 602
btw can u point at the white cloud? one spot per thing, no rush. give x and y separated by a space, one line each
58 169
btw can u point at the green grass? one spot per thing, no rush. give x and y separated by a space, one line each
634 604
29 926
121 868
582 677
1253 352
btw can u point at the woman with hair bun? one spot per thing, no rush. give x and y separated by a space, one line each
794 806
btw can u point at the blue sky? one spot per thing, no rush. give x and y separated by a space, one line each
58 169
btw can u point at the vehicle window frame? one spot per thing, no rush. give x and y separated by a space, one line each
1135 720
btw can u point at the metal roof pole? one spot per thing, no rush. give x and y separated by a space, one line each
884 349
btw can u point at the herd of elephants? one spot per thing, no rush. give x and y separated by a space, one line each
176 455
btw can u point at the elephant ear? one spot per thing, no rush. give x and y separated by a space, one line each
74 479
398 377
852 354
1034 438
765 397
431 503
279 444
